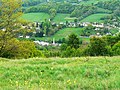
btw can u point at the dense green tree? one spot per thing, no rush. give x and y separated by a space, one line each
73 41
20 49
10 11
63 47
111 5
89 30
117 11
69 52
52 13
47 27
82 11
97 46
116 48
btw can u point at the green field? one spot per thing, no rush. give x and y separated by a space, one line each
64 33
35 16
94 18
42 16
63 18
97 73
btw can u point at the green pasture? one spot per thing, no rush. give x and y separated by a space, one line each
64 33
94 18
63 18
42 16
35 17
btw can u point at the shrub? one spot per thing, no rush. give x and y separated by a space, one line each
98 47
116 48
20 49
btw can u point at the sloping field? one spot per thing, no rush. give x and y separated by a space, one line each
42 16
91 73
63 18
35 16
64 33
94 18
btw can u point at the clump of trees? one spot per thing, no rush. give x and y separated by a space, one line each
83 11
71 47
73 41
27 3
89 30
52 13
47 28
105 46
74 47
98 47
19 49
109 5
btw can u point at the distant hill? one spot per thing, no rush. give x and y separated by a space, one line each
80 9
59 10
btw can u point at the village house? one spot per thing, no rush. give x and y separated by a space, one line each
101 25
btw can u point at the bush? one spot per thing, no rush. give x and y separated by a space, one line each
98 47
73 41
20 49
116 48
72 52
69 52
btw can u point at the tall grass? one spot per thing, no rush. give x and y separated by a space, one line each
60 74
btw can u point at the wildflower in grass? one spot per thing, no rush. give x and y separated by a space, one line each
41 73
44 82
26 82
68 81
74 81
52 68
13 75
17 84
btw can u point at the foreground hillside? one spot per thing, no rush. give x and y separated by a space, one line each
94 73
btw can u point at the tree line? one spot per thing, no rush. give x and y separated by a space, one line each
98 46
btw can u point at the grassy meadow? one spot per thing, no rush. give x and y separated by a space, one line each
90 73
35 16
94 18
64 33
63 18
42 16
